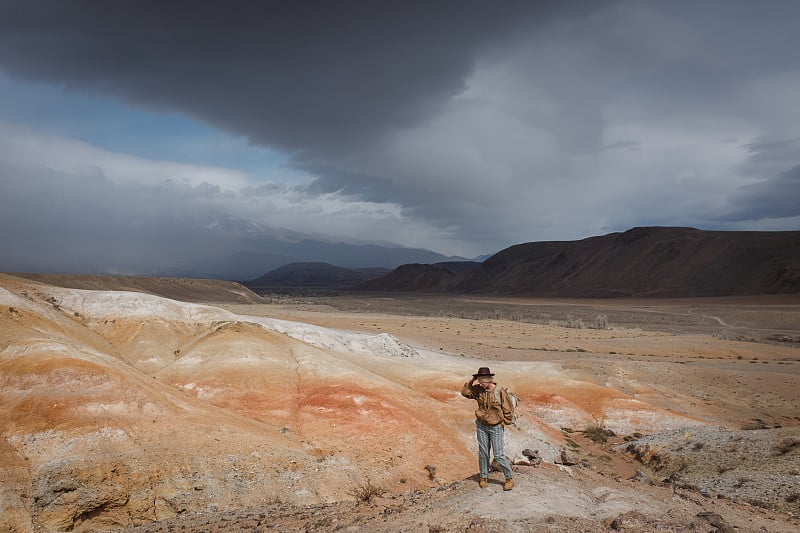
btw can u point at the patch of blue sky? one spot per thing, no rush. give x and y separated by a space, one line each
120 127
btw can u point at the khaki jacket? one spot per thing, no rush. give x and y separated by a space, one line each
489 411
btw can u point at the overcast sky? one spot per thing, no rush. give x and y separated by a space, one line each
462 127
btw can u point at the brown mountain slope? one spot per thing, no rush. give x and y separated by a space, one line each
417 277
639 262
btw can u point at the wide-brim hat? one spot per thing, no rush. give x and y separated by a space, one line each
483 372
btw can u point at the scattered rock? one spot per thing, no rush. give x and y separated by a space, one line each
632 520
641 477
528 458
567 458
716 521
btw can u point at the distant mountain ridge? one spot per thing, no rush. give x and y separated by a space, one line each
643 261
230 249
315 275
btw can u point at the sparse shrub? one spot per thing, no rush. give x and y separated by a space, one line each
721 469
276 499
366 491
601 322
598 434
431 471
574 322
697 446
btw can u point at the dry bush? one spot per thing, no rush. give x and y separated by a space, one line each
431 471
574 322
598 434
366 491
601 322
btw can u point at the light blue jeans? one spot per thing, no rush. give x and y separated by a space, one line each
491 438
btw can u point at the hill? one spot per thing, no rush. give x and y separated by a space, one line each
315 275
183 289
420 277
652 261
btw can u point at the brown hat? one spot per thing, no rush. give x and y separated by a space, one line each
483 372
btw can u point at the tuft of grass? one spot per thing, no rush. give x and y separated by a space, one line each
366 491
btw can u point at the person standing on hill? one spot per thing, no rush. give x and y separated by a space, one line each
495 410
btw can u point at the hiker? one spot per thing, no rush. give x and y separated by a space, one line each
494 411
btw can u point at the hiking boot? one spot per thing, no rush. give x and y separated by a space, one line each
509 484
483 483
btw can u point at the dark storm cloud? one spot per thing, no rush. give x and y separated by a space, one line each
775 193
777 197
306 77
465 124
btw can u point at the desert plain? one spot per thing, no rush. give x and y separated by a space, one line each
213 409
